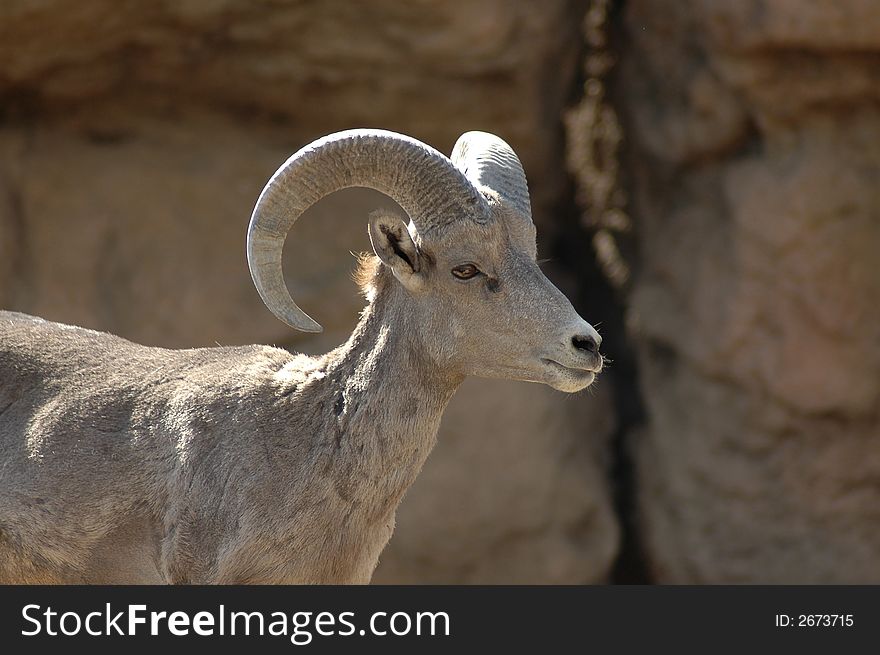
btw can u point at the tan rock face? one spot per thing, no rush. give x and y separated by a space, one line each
136 139
432 69
754 139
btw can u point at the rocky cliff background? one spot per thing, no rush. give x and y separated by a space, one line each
705 182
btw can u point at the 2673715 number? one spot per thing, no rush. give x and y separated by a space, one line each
815 620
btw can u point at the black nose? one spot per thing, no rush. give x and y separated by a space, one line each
585 343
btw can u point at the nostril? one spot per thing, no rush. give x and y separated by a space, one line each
585 343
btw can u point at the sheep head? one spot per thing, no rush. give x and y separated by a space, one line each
464 261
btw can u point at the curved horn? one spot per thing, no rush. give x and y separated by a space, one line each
488 161
421 180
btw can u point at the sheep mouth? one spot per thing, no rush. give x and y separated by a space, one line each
571 370
567 378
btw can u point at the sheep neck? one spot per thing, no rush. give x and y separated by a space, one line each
390 404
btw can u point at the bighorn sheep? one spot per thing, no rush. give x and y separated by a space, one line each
126 463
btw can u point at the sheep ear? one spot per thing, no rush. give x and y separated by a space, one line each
394 245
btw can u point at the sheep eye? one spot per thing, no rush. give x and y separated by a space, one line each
465 271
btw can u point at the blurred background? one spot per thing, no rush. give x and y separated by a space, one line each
705 178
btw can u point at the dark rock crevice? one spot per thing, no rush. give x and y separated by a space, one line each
604 304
